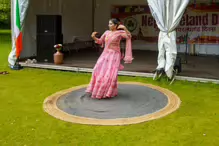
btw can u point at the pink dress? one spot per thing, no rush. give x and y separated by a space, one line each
103 83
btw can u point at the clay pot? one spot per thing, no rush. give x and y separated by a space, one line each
58 58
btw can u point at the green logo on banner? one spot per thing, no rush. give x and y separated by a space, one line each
130 23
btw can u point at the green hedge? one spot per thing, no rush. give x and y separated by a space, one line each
5 14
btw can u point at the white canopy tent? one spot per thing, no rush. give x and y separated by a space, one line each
78 20
167 14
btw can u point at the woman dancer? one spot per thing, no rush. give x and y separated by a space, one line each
103 83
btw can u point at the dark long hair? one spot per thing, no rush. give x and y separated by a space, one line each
116 21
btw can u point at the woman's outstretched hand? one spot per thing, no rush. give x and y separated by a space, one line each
94 34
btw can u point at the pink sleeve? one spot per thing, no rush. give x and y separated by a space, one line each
125 35
128 53
101 40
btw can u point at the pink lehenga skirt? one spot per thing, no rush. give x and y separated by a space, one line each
103 83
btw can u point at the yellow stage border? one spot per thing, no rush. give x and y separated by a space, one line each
51 108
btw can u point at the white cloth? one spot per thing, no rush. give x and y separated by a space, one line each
167 14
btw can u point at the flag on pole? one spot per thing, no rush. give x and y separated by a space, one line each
19 11
17 29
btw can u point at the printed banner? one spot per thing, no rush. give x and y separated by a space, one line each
200 23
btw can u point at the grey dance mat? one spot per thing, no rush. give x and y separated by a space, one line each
132 101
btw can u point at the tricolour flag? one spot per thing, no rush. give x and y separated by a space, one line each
17 29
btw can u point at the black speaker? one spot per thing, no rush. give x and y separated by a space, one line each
178 64
49 24
49 33
45 46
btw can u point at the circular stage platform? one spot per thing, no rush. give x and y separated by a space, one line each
135 103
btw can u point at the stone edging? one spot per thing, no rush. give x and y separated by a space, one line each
51 108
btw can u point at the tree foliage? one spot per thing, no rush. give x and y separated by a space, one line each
5 13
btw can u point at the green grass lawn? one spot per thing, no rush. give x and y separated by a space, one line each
24 123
